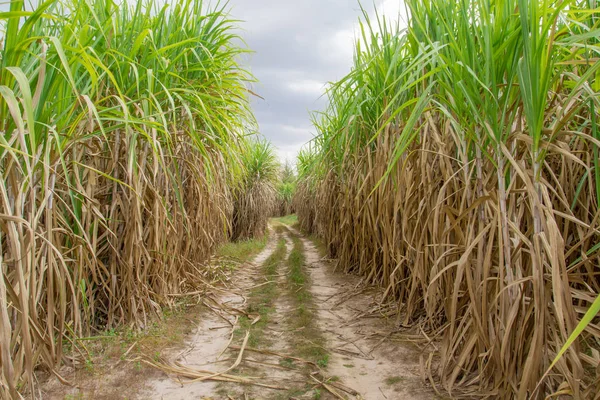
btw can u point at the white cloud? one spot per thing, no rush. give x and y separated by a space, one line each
287 139
282 134
338 49
394 10
307 87
288 153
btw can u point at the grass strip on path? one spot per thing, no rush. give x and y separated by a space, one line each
261 299
290 220
309 340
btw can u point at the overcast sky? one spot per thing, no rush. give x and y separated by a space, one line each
299 46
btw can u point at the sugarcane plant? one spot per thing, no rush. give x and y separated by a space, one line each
285 187
254 198
121 130
456 165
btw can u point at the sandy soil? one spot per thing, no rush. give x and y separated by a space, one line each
363 362
361 357
206 350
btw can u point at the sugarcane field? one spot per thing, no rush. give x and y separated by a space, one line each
288 200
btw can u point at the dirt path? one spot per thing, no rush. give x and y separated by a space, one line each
206 349
356 333
284 327
292 329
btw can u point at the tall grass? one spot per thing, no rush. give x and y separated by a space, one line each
456 165
286 187
120 129
254 198
308 181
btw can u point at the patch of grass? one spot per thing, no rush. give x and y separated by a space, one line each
163 331
261 299
261 303
287 363
392 380
322 357
289 220
311 344
349 365
243 250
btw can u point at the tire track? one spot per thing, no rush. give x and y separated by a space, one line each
213 333
361 355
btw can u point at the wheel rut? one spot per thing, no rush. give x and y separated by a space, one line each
358 335
213 335
289 327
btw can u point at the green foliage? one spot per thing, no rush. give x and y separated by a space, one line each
260 162
256 195
243 250
286 188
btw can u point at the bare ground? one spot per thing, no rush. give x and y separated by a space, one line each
356 331
247 343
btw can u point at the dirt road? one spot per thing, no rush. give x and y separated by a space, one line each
291 328
284 326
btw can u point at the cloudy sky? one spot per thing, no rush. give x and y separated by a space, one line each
299 46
